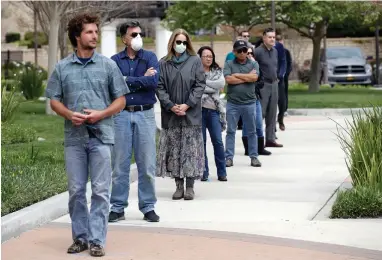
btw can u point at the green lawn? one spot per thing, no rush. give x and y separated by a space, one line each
31 171
337 97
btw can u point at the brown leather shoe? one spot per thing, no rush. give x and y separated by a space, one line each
282 126
273 144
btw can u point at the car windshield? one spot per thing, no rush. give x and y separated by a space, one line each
344 53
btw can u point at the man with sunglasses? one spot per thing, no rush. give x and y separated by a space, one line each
241 75
135 126
243 35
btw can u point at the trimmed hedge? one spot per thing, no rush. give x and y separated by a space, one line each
12 37
361 202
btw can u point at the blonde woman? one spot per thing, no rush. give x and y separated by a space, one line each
180 89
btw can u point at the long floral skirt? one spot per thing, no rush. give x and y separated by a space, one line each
181 153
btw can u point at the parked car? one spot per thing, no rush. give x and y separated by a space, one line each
347 65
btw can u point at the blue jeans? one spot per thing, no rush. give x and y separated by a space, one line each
248 114
134 131
211 122
82 160
259 122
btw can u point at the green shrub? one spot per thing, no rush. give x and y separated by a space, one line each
30 45
360 202
12 37
13 134
31 83
362 144
10 102
41 37
16 68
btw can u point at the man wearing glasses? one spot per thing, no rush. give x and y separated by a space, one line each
241 75
243 35
135 126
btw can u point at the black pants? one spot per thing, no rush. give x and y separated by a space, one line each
282 102
286 85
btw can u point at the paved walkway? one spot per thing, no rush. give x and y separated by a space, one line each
273 212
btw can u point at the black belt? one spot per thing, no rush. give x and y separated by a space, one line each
138 108
270 81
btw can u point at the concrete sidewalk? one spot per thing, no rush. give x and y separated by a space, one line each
272 212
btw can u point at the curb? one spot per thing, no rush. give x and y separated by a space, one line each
320 111
326 111
16 223
326 210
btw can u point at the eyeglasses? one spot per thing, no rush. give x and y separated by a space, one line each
135 34
245 50
208 57
250 53
180 42
245 36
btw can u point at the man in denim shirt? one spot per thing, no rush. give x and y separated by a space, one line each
86 89
135 126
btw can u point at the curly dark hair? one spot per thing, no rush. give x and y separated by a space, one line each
76 25
214 65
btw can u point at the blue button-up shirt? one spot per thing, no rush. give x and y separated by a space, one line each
94 85
142 87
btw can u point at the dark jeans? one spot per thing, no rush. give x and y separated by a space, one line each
286 84
211 122
282 102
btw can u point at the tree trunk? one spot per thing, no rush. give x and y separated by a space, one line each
53 44
315 72
212 37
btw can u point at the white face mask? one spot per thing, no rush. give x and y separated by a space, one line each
180 48
137 43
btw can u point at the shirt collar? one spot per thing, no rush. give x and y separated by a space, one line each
265 47
75 58
123 54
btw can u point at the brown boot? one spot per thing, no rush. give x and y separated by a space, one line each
179 193
189 195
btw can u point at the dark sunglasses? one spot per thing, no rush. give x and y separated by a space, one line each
250 53
245 50
135 34
180 42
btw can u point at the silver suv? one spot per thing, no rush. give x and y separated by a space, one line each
348 65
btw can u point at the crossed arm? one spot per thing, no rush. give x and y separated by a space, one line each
239 78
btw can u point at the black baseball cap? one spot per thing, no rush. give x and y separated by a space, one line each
240 44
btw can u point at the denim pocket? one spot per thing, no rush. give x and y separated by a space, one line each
149 113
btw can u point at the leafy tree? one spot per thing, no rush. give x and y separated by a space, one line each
311 18
196 15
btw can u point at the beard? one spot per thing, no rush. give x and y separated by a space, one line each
87 46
